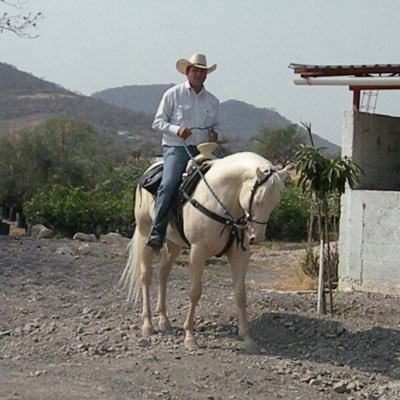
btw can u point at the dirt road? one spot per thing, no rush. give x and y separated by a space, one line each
66 332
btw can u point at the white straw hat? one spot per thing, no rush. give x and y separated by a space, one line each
197 60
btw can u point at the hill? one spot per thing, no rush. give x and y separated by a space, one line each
239 121
26 100
122 115
140 98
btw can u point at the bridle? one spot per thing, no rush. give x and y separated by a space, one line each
228 219
237 226
258 183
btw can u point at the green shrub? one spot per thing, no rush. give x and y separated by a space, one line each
108 207
288 221
47 205
71 210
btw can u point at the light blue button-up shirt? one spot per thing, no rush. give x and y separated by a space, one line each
181 106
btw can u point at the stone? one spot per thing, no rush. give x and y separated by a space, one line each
340 387
144 342
40 231
65 251
85 237
114 238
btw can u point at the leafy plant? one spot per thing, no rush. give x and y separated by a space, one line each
106 207
323 179
59 151
288 221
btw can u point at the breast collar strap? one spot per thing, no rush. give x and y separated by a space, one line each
239 223
237 226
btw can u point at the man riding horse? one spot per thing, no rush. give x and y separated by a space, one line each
186 117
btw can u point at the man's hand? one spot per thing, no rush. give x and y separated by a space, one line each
212 136
184 132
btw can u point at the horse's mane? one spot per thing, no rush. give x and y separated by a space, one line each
244 163
245 159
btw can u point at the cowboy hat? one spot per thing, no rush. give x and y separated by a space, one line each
197 60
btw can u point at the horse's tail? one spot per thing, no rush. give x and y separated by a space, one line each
130 278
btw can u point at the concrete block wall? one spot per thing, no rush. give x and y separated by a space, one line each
375 145
369 242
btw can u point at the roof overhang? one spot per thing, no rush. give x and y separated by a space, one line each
356 77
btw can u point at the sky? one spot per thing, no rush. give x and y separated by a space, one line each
92 45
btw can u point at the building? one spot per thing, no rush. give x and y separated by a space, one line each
369 241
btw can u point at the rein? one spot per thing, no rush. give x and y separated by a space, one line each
229 218
237 225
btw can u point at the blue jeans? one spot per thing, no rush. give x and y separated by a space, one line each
175 161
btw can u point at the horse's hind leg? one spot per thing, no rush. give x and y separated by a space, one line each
166 263
239 261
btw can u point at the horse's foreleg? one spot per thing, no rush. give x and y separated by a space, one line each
196 269
166 264
146 273
239 262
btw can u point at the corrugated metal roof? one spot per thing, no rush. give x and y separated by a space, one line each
310 70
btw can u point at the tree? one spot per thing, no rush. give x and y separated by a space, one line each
23 24
278 144
59 151
323 178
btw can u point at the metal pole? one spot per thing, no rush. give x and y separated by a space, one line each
320 301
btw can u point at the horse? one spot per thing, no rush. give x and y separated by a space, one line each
227 211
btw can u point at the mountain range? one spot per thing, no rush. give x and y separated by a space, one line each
239 120
124 114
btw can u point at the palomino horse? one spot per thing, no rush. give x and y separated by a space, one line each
241 189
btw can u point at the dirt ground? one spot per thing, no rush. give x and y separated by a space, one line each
67 332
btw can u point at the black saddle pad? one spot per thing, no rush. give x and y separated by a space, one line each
151 179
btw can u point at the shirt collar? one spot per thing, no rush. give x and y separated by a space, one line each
187 86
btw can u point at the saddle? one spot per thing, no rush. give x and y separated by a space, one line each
151 180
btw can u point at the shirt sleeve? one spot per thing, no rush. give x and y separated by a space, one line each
216 123
161 122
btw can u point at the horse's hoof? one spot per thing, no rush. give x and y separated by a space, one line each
191 344
164 325
250 347
147 331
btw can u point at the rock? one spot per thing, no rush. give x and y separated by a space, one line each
39 231
114 238
65 251
86 310
396 372
100 314
315 382
84 249
85 237
340 387
38 373
144 342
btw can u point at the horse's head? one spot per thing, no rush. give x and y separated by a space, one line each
259 196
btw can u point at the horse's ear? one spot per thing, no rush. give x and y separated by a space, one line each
260 174
284 172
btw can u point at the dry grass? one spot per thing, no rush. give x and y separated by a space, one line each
297 280
14 231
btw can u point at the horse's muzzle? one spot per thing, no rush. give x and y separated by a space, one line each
255 233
